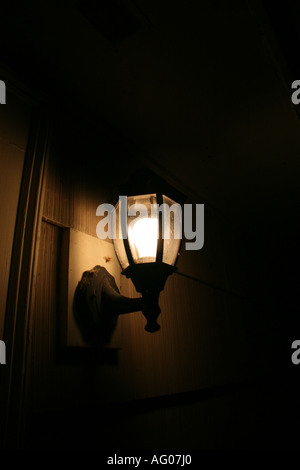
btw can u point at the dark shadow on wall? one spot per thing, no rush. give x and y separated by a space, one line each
235 416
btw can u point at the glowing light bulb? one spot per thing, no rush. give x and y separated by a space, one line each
142 236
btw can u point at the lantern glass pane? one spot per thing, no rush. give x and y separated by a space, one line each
171 230
142 227
118 241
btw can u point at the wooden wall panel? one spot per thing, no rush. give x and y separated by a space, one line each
221 262
81 174
14 124
204 338
196 347
43 334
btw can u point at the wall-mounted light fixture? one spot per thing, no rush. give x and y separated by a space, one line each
147 240
147 246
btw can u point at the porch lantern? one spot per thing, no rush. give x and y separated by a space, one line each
147 244
147 239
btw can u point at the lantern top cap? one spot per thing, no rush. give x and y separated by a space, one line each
145 181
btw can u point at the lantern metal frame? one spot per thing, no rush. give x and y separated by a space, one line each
149 278
98 302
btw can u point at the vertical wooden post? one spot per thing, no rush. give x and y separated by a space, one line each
20 282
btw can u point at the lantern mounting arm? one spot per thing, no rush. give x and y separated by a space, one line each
98 303
114 303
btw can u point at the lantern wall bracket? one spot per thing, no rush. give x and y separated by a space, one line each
98 303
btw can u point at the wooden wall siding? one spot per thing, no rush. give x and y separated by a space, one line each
205 319
202 327
222 262
205 338
197 346
42 331
83 174
190 421
72 195
14 124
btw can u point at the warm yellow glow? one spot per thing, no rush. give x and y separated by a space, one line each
142 236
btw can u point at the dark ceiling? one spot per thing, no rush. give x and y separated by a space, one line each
201 88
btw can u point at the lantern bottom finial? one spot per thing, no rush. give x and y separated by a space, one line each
151 311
